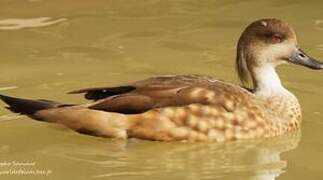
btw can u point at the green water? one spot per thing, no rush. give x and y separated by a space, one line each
50 47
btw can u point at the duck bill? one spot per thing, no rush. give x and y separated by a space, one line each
301 58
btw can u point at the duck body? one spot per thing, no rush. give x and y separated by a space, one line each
209 109
169 108
192 107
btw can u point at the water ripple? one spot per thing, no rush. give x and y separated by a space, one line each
8 88
318 24
9 117
15 24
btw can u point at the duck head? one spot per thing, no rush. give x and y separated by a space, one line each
263 45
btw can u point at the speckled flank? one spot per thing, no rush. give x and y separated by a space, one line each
221 121
195 123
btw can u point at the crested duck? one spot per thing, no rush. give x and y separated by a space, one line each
192 107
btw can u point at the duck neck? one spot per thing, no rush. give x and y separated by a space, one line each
266 81
267 86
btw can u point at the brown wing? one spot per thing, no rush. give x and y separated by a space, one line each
159 92
152 84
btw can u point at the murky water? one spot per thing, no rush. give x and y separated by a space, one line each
50 47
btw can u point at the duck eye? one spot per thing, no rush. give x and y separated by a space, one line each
276 38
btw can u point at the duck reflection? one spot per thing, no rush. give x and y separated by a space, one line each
135 159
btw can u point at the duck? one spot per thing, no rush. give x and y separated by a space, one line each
192 107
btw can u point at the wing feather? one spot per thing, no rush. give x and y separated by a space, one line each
162 91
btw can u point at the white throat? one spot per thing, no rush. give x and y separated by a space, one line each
266 81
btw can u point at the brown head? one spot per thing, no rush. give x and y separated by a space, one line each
266 43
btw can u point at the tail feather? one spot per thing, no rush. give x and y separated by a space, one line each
77 118
26 106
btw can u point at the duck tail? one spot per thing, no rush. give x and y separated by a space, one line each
26 106
82 119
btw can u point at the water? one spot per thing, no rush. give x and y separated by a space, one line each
50 47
